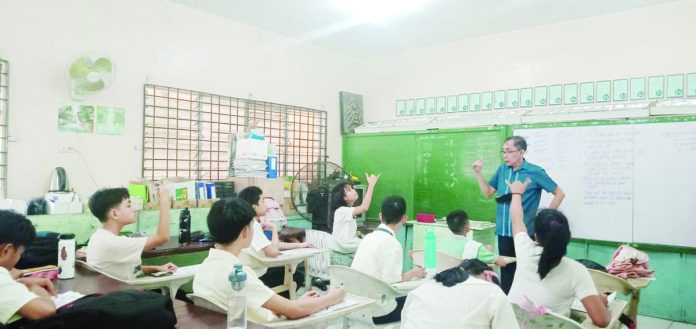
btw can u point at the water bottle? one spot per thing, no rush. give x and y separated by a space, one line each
430 253
66 256
185 226
236 307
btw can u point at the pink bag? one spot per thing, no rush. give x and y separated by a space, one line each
273 210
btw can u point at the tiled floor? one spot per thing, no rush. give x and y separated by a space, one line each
645 322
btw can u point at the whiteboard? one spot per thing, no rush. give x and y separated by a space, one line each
665 208
627 183
594 166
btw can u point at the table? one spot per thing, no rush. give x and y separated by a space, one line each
288 259
172 247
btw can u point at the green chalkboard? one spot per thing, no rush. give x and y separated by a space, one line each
444 180
389 154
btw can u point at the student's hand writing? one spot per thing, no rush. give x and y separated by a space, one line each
478 165
418 272
604 299
169 267
311 294
39 285
372 179
306 245
337 294
518 187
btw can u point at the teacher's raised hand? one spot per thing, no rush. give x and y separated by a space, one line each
478 165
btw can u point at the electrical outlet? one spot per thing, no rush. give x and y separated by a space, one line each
64 149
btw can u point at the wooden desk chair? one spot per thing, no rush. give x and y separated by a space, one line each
444 261
606 282
169 284
363 285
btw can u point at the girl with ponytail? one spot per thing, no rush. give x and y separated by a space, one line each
544 275
466 296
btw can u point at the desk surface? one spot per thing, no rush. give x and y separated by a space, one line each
174 248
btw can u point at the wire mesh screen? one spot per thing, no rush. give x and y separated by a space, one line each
186 133
4 108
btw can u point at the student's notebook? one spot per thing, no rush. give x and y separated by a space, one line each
345 303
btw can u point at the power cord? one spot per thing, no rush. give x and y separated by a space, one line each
84 162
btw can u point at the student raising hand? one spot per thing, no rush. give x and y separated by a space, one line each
372 179
518 187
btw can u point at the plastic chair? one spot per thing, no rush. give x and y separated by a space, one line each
606 282
550 320
363 285
339 255
206 304
169 284
444 261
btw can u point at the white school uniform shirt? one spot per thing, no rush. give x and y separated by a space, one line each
345 227
116 255
13 296
211 283
565 282
472 304
259 241
380 255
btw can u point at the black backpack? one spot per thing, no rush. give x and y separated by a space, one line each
132 309
43 251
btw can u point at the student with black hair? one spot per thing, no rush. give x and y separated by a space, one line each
120 255
262 246
342 211
544 275
380 254
230 225
466 296
458 245
28 298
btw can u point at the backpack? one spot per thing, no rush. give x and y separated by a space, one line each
43 251
132 309
273 210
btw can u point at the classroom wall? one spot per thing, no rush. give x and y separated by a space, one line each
641 42
153 41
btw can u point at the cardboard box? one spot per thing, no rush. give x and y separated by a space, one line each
272 187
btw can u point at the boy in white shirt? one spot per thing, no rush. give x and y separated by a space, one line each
262 246
230 222
119 255
28 298
380 254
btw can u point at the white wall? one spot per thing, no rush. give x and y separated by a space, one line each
154 41
655 40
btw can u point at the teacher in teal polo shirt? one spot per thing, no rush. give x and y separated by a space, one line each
515 167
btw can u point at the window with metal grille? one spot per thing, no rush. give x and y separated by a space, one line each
186 133
4 107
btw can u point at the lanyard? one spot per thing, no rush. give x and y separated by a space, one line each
384 230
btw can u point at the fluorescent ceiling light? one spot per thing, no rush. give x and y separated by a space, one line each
378 11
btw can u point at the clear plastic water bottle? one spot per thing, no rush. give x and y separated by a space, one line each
236 308
430 253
